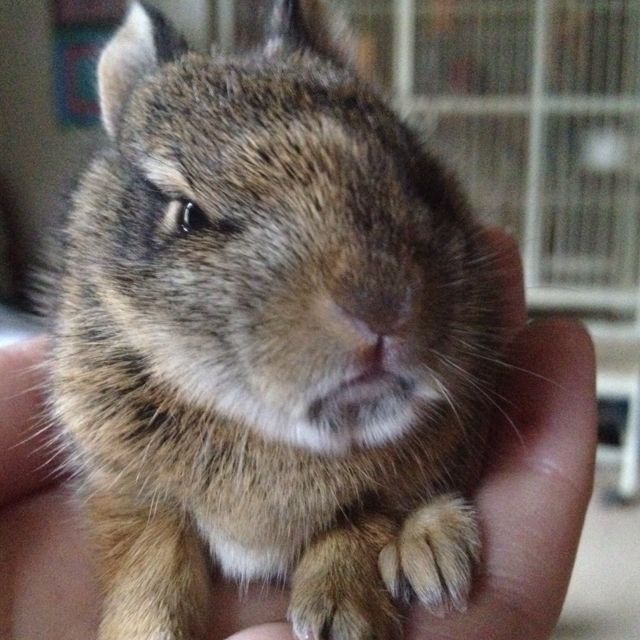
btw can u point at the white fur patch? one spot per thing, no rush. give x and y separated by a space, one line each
244 564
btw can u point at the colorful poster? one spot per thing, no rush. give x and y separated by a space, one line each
75 60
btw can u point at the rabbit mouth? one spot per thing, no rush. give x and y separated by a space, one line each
369 387
359 400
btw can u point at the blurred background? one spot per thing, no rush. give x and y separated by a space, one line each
535 103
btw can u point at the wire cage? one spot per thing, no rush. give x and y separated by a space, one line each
536 105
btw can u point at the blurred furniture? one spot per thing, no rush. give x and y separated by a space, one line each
619 379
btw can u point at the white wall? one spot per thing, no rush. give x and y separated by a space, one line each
37 155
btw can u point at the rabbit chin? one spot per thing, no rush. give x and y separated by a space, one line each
335 427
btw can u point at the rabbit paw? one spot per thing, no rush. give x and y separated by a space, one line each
434 555
342 602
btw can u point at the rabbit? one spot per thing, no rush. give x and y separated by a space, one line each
275 339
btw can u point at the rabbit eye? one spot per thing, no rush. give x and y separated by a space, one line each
191 218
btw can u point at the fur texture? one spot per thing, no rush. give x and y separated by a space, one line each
275 340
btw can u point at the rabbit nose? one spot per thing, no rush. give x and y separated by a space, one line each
374 315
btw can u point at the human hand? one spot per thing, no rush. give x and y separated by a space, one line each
532 501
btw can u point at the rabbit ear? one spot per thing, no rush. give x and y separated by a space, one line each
311 25
143 42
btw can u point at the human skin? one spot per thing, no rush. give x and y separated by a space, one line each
531 500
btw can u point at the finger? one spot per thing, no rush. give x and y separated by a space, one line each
237 609
274 631
535 494
552 386
48 587
26 461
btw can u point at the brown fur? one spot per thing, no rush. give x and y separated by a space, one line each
169 348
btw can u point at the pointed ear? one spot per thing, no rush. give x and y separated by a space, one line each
143 42
311 25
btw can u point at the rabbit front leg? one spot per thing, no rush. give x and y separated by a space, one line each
337 590
152 571
433 556
344 584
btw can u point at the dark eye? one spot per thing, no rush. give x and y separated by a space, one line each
191 218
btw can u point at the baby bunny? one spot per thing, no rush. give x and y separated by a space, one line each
275 341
